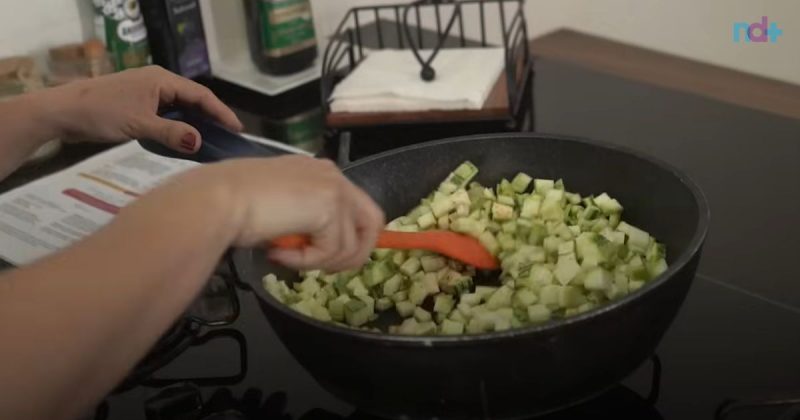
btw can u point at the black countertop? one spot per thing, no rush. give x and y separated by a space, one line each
747 162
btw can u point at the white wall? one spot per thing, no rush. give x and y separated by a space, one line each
697 29
32 25
700 30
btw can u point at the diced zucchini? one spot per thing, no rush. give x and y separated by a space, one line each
485 291
530 207
638 240
356 287
336 307
538 313
422 315
477 326
432 263
635 285
573 198
417 293
553 205
524 298
457 316
538 234
400 296
502 212
561 254
410 266
426 220
463 174
405 308
655 251
541 276
450 327
431 283
655 268
442 206
614 236
471 299
549 296
489 242
379 272
426 328
500 298
598 279
457 283
551 244
392 285
542 186
356 313
276 288
567 247
509 227
383 304
467 225
607 204
520 182
506 200
570 297
406 228
566 268
443 304
506 241
408 327
613 220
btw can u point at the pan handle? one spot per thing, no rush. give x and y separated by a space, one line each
218 143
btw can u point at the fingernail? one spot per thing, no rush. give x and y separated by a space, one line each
189 141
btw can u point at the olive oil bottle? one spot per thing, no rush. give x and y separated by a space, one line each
281 32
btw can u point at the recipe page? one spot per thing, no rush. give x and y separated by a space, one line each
58 210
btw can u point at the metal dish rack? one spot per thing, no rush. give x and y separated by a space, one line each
403 25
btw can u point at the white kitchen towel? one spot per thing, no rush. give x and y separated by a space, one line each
389 81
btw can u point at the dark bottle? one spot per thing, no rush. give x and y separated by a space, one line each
177 39
281 32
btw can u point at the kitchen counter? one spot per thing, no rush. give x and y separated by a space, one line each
745 160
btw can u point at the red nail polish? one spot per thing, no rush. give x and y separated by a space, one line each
189 141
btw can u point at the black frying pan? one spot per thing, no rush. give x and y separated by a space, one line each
508 374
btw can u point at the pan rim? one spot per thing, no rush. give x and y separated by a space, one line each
683 259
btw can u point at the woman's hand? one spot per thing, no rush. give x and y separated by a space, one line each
124 106
261 199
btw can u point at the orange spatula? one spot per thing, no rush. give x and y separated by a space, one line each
450 244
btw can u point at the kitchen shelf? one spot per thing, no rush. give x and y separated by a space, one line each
228 49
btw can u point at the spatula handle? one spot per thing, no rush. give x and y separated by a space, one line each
291 242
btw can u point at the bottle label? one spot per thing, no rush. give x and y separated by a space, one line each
121 26
286 26
304 130
186 23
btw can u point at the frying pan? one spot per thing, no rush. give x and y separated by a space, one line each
510 374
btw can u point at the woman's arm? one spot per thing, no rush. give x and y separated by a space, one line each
87 314
112 108
24 127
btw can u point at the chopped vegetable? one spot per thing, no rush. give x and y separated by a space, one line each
561 254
